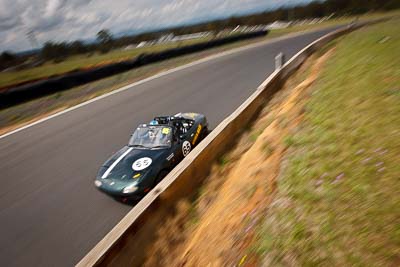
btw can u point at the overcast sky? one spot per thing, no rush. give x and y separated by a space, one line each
67 20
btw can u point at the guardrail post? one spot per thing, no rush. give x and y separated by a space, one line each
279 61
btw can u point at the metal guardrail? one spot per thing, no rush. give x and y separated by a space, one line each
127 243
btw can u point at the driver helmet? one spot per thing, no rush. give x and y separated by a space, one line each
152 135
153 122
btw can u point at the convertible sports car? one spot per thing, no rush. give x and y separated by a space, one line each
153 150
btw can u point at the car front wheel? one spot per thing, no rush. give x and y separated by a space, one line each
160 176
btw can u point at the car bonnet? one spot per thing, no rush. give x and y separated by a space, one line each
123 164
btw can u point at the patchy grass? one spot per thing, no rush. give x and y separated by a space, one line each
335 21
223 161
337 201
254 135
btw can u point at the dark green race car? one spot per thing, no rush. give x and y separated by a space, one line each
153 150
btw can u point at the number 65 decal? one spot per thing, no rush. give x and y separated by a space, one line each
186 147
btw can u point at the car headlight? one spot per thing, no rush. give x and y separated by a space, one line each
130 189
98 183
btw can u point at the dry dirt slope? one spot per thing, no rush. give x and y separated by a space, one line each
223 219
315 180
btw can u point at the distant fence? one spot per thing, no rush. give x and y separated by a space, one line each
19 94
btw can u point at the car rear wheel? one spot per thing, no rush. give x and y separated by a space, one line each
204 133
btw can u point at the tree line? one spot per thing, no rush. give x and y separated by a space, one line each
58 51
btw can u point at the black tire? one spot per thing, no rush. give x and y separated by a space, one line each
160 176
204 133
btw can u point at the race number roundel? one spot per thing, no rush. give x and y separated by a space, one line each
186 147
141 164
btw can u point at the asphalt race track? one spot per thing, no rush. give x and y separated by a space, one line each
50 212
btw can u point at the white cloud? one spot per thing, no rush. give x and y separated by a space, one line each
67 20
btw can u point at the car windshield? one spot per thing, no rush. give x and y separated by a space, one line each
151 137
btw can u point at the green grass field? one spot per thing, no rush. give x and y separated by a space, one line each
84 61
87 60
337 200
333 22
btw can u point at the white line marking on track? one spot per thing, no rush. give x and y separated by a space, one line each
115 163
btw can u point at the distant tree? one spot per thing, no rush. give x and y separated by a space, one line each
78 47
48 51
391 4
104 36
105 40
7 59
55 51
7 56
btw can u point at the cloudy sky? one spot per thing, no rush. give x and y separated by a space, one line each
66 20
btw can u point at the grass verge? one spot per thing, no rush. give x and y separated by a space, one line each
337 199
235 195
314 181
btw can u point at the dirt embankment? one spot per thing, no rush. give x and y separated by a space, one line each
217 230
